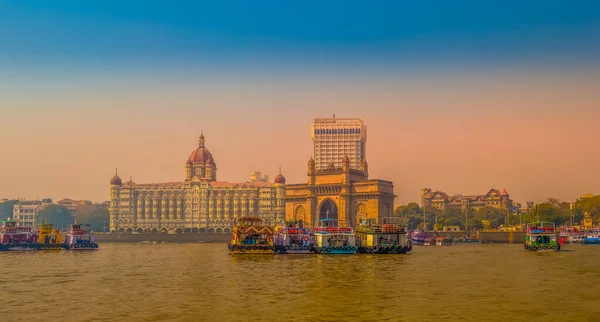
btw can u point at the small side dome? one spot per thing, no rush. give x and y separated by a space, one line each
279 179
116 180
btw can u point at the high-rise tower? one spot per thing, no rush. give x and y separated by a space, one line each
334 138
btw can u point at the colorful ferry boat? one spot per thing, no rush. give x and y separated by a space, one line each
16 238
332 239
385 239
418 237
541 236
49 239
78 238
294 240
249 236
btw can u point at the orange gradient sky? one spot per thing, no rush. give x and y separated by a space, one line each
533 133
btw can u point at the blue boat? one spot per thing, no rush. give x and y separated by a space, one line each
592 237
332 239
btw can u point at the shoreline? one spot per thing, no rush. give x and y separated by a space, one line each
487 237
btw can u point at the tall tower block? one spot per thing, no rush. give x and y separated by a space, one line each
334 138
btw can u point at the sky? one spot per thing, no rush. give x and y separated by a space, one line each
458 96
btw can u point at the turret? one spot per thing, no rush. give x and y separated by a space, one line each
188 170
346 164
311 171
364 167
115 190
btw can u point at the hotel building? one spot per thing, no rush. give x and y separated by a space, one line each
199 203
334 138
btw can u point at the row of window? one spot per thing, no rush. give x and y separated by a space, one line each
337 131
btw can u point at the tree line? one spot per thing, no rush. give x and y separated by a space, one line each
553 210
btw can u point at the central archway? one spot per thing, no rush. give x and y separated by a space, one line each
328 210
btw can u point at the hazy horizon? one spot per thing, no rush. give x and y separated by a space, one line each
454 100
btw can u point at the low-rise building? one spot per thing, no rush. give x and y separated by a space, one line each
26 212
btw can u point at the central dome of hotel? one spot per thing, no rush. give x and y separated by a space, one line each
201 154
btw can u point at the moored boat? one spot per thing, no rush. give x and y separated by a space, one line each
385 239
49 239
78 238
443 241
16 238
418 237
332 239
294 240
592 237
249 236
541 236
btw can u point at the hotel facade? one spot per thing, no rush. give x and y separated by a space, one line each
199 203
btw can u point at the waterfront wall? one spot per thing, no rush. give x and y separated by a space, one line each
169 238
495 237
491 237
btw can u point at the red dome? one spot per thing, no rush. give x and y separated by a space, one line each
201 154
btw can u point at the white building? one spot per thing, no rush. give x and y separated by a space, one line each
26 213
335 138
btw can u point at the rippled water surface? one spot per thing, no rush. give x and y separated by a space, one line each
201 282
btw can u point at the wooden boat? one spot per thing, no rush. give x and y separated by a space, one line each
249 236
443 241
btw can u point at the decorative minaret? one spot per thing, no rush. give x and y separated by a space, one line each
279 184
115 191
311 171
188 170
364 167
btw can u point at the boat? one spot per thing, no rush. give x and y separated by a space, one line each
294 240
332 239
49 239
418 237
429 241
16 238
592 237
541 236
385 239
249 236
78 238
570 235
443 241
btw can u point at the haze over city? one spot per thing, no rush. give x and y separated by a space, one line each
458 104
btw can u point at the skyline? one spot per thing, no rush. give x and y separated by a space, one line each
456 98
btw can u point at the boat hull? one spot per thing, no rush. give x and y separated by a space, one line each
545 248
591 241
336 250
250 249
384 250
294 250
17 247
